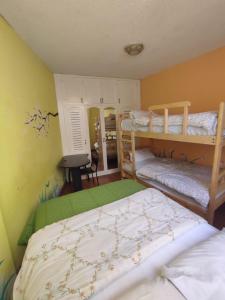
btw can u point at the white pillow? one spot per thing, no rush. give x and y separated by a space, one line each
143 121
142 154
137 114
199 273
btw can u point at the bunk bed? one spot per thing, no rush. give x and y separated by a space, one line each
201 128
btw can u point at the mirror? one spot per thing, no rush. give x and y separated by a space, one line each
95 134
110 138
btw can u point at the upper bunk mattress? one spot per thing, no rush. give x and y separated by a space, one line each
189 179
198 124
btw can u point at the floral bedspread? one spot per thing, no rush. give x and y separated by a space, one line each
77 257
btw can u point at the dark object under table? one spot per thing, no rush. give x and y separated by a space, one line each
74 163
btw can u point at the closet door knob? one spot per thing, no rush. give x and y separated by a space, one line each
119 100
81 100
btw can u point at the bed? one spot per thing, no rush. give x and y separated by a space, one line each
108 251
73 204
177 178
184 177
206 128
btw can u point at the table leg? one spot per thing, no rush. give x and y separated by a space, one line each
76 178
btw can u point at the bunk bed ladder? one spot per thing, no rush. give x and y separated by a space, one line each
124 139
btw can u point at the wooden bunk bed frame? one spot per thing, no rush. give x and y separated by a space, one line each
217 185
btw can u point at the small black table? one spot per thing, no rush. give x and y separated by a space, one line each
74 163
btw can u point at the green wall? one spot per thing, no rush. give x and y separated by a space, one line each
30 140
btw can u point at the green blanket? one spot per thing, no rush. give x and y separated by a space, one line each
72 204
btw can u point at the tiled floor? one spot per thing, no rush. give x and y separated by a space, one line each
219 217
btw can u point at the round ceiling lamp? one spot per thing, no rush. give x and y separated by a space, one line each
134 49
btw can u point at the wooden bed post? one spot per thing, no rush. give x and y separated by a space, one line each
150 119
185 120
166 124
120 117
125 140
133 153
216 164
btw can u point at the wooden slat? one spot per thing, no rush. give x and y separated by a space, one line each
169 105
125 141
128 174
217 152
127 161
121 149
185 120
222 174
220 199
133 153
165 120
206 140
216 164
150 120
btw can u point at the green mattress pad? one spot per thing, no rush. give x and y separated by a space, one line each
70 205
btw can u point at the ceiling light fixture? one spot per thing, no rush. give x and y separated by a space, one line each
134 49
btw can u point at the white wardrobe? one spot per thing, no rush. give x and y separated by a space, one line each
87 113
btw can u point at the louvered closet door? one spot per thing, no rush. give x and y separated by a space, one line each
75 130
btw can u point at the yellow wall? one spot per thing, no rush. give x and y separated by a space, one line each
200 81
6 263
28 156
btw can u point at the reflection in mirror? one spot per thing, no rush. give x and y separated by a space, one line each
95 135
110 137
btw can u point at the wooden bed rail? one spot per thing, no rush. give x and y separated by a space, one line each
184 105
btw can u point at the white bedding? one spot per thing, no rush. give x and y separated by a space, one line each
199 273
80 256
137 284
198 124
188 179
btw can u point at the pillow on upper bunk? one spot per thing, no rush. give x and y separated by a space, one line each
143 121
199 273
142 154
137 114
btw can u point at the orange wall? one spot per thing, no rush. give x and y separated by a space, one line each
200 81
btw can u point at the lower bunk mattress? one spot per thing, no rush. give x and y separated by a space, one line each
110 251
187 178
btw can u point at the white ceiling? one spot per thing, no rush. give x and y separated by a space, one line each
86 37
